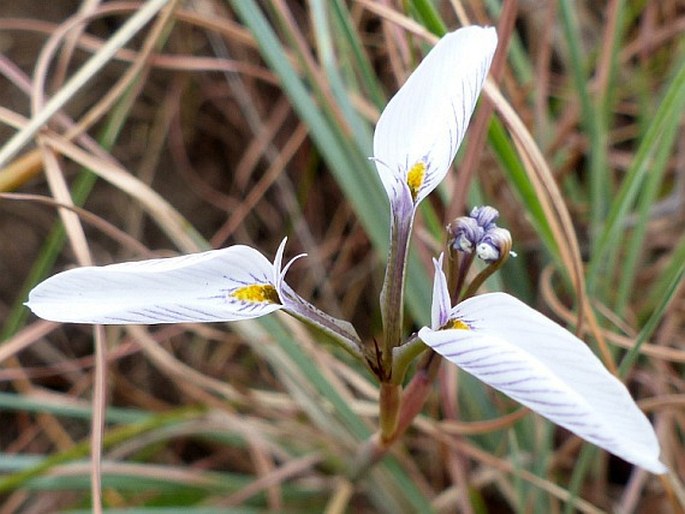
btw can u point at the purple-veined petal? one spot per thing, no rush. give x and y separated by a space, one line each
230 284
440 308
535 361
421 128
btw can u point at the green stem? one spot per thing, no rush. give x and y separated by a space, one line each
392 294
484 275
404 355
412 401
389 408
456 272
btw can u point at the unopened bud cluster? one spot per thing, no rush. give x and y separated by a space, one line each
478 232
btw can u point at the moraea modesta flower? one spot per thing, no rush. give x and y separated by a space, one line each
230 284
530 358
415 141
423 125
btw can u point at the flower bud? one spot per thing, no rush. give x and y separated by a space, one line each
464 234
494 245
485 216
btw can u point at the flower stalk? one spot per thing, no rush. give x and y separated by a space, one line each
389 408
413 398
392 293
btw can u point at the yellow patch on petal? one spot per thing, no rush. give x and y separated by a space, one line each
257 293
456 324
415 178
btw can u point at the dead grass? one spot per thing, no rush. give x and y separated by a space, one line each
191 141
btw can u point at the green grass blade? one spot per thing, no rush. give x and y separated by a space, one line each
351 168
429 17
669 110
665 291
297 367
361 61
518 178
593 121
81 450
648 197
46 258
326 51
23 403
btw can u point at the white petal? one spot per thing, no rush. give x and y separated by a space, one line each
189 288
279 274
278 263
527 356
440 307
427 118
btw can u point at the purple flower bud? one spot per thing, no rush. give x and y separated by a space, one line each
495 244
464 234
485 216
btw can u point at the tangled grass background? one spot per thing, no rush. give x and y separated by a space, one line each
138 129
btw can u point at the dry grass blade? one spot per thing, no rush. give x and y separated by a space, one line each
399 19
285 472
180 371
25 338
125 240
80 78
164 214
507 467
242 122
673 355
558 216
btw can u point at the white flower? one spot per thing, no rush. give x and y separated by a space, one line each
518 351
230 284
421 128
416 139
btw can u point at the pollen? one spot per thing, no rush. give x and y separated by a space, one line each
457 324
415 178
256 293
